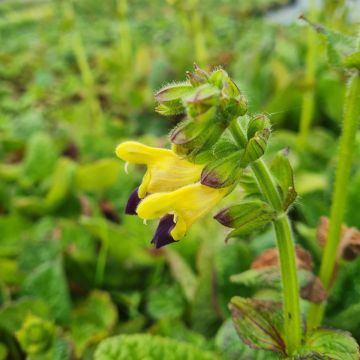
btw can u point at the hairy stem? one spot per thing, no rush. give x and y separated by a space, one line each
345 152
285 244
308 100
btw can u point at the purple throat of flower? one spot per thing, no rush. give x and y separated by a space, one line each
132 203
162 234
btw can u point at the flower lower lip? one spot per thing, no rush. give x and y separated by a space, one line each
132 203
162 235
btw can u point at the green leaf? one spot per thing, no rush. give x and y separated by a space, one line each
339 45
259 323
141 347
259 278
165 301
230 348
97 175
92 320
48 282
182 272
40 157
283 172
13 314
329 344
11 230
61 182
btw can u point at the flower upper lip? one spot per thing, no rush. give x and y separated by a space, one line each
166 171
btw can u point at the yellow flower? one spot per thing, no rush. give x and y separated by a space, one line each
166 171
178 210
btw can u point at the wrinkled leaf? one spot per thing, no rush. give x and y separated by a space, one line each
329 344
141 347
48 282
258 323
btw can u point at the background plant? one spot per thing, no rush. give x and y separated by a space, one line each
62 190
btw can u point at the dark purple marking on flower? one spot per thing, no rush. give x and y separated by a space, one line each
162 235
132 203
223 217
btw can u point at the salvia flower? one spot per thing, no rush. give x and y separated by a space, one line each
170 191
166 171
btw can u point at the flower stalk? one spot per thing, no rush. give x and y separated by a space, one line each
285 244
345 156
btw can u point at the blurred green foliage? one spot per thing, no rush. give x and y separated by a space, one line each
76 78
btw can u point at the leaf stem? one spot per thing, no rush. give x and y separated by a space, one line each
345 155
285 244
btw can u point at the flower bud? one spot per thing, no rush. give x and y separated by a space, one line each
246 217
222 172
217 77
234 107
35 335
258 122
198 76
256 146
201 100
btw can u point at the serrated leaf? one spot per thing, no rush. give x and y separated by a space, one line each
48 282
92 320
258 323
339 45
97 175
284 175
329 344
141 347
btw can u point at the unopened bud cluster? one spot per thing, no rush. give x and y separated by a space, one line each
210 102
